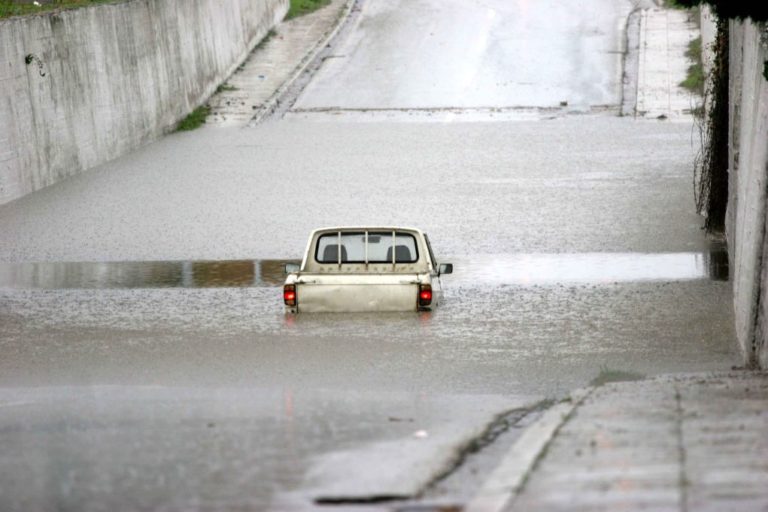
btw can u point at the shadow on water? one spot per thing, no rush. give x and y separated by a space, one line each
511 269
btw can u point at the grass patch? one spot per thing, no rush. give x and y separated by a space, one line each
194 120
607 375
265 40
302 7
694 82
225 87
694 50
10 8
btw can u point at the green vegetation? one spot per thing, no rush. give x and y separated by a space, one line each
14 8
711 165
225 87
730 9
302 7
607 375
694 82
672 4
194 120
265 39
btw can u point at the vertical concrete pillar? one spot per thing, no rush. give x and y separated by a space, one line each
748 179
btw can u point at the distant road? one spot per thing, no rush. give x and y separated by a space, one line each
406 54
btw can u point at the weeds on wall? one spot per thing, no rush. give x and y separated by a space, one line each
757 11
10 8
194 120
302 7
694 81
711 166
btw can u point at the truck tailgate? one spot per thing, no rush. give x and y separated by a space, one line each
317 293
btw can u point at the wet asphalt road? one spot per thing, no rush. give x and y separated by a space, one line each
475 54
196 398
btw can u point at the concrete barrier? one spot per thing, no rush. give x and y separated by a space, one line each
748 178
80 87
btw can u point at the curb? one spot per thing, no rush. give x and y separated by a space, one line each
269 106
506 481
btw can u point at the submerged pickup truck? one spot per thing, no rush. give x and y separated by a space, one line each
355 269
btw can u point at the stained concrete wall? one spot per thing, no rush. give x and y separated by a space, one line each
708 25
80 87
748 176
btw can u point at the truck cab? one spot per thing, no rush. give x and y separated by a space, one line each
357 269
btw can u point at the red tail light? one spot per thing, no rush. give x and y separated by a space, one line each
289 294
425 294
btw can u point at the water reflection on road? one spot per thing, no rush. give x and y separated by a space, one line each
144 274
515 269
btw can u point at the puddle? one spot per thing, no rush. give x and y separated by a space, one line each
515 269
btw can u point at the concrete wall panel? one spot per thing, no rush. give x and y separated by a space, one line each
748 179
106 79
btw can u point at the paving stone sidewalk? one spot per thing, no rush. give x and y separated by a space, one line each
271 64
663 40
689 442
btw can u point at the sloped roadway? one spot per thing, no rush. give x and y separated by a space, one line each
576 247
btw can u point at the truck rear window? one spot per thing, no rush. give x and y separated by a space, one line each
381 247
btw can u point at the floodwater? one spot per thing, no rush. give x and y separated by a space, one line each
140 303
147 359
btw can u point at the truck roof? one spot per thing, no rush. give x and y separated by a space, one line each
366 228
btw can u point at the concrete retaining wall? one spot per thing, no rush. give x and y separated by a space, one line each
708 24
748 178
80 87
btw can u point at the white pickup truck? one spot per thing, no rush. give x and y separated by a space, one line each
354 269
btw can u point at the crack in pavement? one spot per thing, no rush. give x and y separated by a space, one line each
683 478
499 426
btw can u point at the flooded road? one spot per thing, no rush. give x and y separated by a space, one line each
147 361
575 246
582 184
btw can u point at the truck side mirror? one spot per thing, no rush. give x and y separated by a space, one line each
292 268
445 268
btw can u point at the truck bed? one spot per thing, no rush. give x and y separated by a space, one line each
324 293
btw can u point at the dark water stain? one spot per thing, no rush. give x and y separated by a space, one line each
513 269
